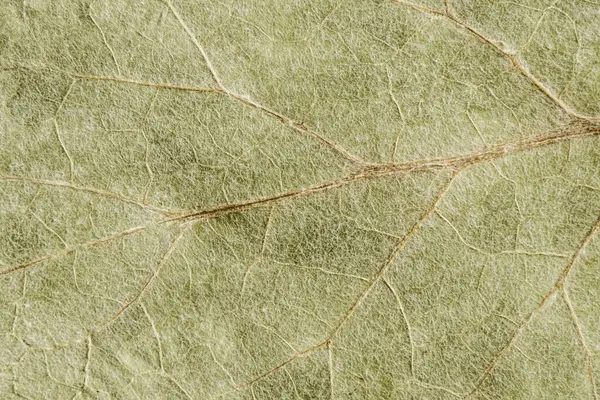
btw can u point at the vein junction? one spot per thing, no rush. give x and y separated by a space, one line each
458 163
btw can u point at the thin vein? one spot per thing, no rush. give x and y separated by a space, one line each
50 230
158 85
221 366
330 364
293 382
274 332
537 25
470 246
381 170
407 324
57 130
301 354
429 386
64 99
535 253
395 252
510 57
156 335
176 383
260 254
586 349
70 250
64 148
560 280
150 279
147 151
372 172
75 187
196 43
247 102
399 109
376 279
325 271
476 128
112 53
300 127
288 121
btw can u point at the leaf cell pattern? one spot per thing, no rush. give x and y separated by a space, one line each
318 200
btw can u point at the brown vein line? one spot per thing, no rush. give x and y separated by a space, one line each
237 207
149 281
586 349
71 186
370 172
288 121
378 276
510 57
456 163
283 364
495 152
394 254
204 214
282 118
560 280
250 103
299 127
145 83
380 170
72 249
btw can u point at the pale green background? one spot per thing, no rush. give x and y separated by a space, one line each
299 199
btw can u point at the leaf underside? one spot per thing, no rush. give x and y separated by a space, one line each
299 199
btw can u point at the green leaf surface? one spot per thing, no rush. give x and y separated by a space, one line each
299 199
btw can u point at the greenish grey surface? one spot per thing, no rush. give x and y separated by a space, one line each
299 199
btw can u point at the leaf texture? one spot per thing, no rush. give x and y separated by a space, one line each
299 200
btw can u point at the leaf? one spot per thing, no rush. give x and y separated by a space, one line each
333 199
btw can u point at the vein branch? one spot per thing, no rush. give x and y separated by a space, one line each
110 49
72 249
300 354
586 349
57 130
64 148
100 192
291 123
150 279
156 335
159 85
367 173
380 170
408 327
395 252
509 56
287 120
558 285
374 281
457 164
196 43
